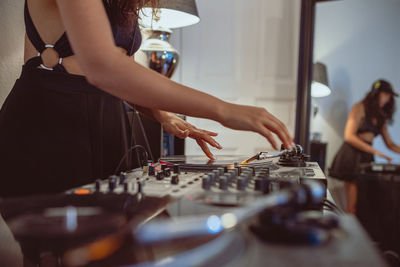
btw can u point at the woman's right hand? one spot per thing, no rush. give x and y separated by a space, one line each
379 154
256 119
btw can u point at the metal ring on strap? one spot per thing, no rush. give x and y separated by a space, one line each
42 65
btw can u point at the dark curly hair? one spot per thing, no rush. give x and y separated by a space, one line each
126 12
371 104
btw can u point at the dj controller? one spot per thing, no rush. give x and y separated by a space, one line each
269 210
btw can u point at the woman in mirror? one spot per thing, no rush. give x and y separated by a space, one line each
366 120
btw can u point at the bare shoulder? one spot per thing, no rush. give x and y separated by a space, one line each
358 108
357 111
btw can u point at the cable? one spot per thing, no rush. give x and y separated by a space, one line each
137 115
332 206
128 152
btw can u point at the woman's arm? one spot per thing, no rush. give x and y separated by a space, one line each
106 67
350 133
388 140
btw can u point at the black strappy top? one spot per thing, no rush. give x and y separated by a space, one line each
124 37
368 126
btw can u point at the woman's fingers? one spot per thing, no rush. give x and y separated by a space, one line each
204 147
277 127
209 132
192 127
267 134
199 134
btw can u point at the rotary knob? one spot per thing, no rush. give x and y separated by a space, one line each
122 177
167 172
177 169
241 183
223 182
221 170
212 176
206 183
262 184
160 175
151 170
216 173
112 182
175 179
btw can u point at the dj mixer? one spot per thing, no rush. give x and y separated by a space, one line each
189 211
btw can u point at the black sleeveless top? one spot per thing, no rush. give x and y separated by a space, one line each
368 126
127 38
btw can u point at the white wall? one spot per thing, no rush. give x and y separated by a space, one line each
244 52
12 32
359 41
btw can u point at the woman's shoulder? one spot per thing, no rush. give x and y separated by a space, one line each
358 110
359 107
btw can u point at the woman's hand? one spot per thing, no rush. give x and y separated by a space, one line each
174 125
255 119
379 154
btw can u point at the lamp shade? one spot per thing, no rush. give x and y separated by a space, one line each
172 14
320 86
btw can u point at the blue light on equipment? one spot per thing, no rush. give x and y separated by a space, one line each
214 224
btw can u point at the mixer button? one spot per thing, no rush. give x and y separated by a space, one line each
261 184
216 173
223 182
122 177
212 176
177 169
167 172
235 172
229 177
160 175
206 183
241 184
175 179
151 170
112 182
239 170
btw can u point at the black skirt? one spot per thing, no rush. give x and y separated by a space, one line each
57 132
346 164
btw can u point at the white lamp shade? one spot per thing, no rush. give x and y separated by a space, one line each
168 18
320 86
319 89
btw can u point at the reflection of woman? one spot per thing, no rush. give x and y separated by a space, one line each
62 125
366 120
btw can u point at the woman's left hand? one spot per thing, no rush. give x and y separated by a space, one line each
174 125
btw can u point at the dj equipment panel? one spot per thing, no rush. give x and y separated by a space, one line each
188 211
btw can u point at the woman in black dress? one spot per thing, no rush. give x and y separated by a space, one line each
366 120
63 124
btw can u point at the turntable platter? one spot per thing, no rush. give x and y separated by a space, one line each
204 163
